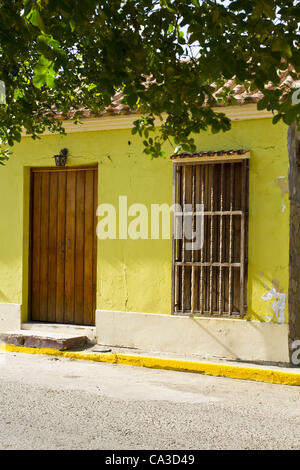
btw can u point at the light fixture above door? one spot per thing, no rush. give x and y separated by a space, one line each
61 159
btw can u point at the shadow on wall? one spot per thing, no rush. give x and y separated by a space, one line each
224 346
3 297
254 343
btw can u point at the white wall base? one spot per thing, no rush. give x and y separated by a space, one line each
10 316
207 337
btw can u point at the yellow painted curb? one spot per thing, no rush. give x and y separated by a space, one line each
222 370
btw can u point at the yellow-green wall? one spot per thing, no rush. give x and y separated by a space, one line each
135 275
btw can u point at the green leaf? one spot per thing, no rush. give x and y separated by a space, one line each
291 115
40 22
27 6
50 81
36 19
72 25
268 9
281 45
276 118
39 80
262 104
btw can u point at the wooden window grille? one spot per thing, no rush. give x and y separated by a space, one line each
212 281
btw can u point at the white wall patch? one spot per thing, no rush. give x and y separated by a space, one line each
278 306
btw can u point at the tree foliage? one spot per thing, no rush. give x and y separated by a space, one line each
62 54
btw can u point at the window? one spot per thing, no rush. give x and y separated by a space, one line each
211 279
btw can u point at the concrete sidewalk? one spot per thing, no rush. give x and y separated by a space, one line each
237 370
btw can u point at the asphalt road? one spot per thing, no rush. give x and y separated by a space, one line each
50 403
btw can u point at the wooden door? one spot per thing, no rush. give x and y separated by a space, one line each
63 245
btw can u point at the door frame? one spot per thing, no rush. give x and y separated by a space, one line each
30 235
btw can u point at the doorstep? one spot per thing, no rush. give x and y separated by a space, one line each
62 329
40 339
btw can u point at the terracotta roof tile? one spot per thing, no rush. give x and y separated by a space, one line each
216 153
241 95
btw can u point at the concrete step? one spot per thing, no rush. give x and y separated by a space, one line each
61 329
38 339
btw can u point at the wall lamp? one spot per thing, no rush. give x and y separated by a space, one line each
61 159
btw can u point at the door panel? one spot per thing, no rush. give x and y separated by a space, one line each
53 201
60 248
63 245
69 246
79 249
35 247
44 247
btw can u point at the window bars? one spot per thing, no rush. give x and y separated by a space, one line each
210 279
